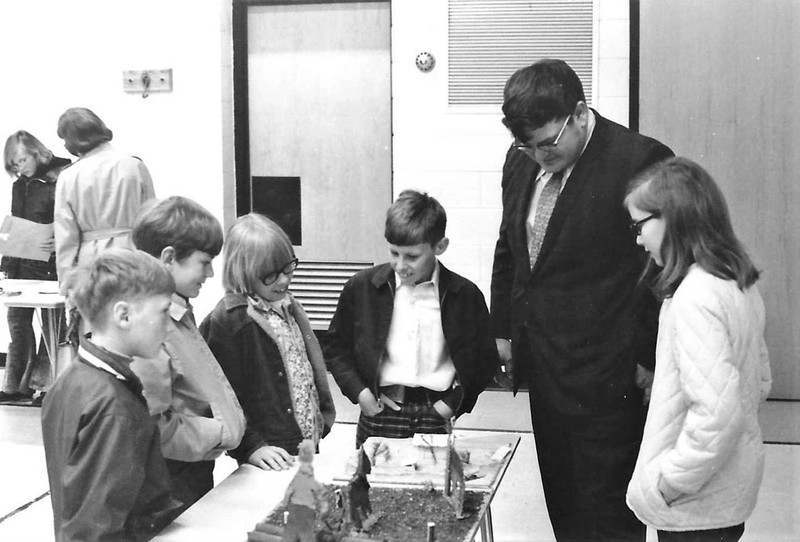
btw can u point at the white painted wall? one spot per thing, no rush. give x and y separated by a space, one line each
456 153
59 54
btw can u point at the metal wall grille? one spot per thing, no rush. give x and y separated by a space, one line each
490 39
317 285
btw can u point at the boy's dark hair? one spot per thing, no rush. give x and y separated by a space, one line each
179 222
82 130
117 274
538 94
415 218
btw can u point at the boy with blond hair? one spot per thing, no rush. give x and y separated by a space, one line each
108 479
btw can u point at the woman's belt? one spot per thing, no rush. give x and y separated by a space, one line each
104 234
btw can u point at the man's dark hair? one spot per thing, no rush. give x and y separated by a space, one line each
538 94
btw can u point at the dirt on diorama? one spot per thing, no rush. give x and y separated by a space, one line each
404 513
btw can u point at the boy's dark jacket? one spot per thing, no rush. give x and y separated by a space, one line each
108 479
33 198
356 341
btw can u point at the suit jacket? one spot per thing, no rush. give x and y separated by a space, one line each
578 321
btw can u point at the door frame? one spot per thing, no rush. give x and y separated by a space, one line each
241 105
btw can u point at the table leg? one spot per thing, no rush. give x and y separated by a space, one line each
53 318
487 534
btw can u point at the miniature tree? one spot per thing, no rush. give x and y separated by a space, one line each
454 481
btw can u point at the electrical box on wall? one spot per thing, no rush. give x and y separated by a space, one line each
147 81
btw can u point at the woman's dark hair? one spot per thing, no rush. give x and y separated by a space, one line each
697 225
82 130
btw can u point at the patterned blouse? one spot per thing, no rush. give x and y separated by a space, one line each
277 321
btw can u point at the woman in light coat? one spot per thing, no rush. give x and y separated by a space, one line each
702 458
99 195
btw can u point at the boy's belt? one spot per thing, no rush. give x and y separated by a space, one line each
408 395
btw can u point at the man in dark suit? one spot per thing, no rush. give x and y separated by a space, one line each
568 314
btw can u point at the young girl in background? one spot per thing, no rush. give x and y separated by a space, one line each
701 461
264 343
34 170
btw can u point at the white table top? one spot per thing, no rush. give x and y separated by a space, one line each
37 294
247 496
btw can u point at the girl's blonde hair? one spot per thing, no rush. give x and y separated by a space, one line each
26 140
255 246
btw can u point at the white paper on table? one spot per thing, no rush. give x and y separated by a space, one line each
22 238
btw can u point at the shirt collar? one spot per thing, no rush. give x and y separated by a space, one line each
179 307
91 352
434 277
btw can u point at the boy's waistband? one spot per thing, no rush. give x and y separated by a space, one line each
408 395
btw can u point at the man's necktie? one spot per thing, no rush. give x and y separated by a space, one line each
544 209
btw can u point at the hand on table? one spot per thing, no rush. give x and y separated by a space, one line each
271 458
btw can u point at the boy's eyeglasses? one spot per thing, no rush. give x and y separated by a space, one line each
544 146
285 270
636 227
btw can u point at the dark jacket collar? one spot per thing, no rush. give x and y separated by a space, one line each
448 281
118 362
233 300
48 173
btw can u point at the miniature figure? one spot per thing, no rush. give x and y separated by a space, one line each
358 492
302 497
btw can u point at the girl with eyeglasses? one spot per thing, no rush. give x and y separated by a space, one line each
264 343
702 458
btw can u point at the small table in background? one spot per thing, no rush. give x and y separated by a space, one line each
43 296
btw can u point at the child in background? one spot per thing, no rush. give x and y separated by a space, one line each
410 334
196 409
34 170
264 342
702 457
108 479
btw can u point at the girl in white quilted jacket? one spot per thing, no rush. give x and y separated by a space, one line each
702 457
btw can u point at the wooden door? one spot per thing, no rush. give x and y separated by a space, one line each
319 99
719 84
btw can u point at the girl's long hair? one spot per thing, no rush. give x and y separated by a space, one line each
697 226
27 140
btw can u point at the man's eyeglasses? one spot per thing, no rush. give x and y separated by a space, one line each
285 270
544 145
636 227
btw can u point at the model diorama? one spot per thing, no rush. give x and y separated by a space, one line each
357 512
